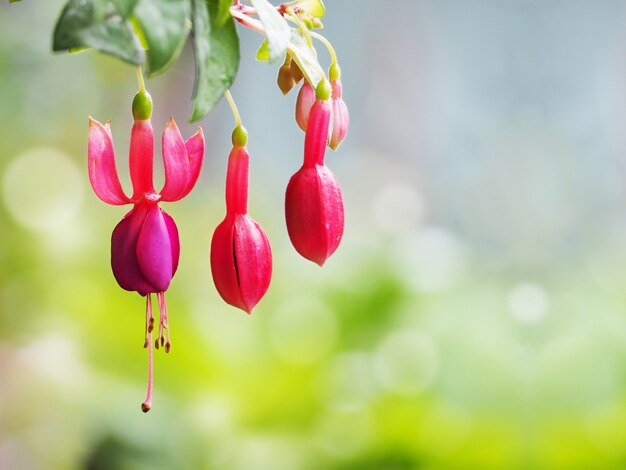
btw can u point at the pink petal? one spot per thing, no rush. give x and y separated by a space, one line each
102 168
241 261
154 250
141 159
174 241
176 163
304 102
340 123
223 266
253 257
195 152
124 253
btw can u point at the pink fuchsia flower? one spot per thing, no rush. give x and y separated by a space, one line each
313 201
241 257
145 246
304 103
339 116
340 119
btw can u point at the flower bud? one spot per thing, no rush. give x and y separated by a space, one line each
304 102
142 106
241 257
340 120
313 201
296 73
285 79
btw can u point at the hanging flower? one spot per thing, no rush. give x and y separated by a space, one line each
340 119
313 201
145 246
241 257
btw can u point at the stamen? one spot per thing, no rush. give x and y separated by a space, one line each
163 310
147 404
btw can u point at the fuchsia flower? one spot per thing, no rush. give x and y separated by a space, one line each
339 116
145 246
241 257
313 202
304 103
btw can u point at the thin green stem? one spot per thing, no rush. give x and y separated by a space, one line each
303 29
233 107
329 46
140 82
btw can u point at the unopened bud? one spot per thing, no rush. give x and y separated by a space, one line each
142 106
285 79
296 73
304 103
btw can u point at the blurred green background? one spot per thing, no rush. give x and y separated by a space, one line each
474 316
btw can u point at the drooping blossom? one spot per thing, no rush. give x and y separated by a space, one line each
145 245
304 102
313 201
241 257
339 116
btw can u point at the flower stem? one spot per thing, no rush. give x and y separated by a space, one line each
233 107
326 42
303 29
142 85
147 403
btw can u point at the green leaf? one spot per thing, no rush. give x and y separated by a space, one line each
263 54
163 26
216 50
222 12
125 7
99 24
277 29
14 1
306 58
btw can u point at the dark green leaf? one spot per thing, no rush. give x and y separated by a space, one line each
98 24
216 50
14 1
277 29
163 26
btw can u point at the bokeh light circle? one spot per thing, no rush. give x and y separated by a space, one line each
303 330
406 362
43 189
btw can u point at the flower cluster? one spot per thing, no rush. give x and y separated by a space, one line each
145 246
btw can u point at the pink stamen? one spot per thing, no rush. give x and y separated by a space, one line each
147 404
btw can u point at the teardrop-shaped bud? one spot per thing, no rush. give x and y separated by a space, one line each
241 261
241 257
314 212
285 80
304 103
340 120
296 73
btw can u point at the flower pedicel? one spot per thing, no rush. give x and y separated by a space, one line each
145 247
